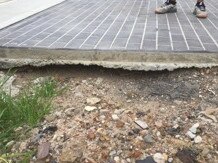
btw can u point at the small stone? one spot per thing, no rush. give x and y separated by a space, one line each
117 159
190 134
90 108
193 129
112 153
158 134
93 101
186 156
159 158
170 160
43 151
148 139
128 160
69 111
115 117
141 124
198 139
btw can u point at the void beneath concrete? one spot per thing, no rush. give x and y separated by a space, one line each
130 60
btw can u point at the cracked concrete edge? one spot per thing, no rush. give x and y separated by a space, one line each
130 60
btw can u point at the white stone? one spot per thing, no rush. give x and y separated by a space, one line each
190 134
193 129
117 159
93 100
142 124
159 158
170 160
90 108
198 139
115 117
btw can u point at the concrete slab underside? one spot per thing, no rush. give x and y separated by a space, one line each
113 33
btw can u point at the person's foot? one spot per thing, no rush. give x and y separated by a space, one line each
166 8
200 11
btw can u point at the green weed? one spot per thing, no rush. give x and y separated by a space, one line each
27 108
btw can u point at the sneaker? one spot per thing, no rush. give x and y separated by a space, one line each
166 8
200 11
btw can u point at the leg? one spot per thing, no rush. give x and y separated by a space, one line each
200 9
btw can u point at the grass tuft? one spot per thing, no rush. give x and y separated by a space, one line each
27 108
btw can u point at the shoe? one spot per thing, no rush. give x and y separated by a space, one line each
200 11
166 8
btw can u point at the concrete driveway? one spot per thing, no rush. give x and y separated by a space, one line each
112 28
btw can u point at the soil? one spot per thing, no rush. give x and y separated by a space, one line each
118 116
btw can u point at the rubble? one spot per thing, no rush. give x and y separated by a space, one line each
90 108
141 124
93 101
93 122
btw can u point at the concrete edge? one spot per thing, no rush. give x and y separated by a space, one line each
130 60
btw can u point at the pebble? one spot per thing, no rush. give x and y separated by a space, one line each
117 159
115 117
159 158
148 139
112 153
142 124
193 129
93 101
190 134
170 160
69 111
90 108
198 139
43 151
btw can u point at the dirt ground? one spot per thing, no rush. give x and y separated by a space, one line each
118 116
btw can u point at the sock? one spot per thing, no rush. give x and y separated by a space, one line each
200 3
172 2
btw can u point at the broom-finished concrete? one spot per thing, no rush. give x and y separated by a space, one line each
114 33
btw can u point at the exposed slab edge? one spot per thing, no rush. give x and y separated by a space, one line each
18 10
131 60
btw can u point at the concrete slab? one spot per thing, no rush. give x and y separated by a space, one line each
12 11
114 33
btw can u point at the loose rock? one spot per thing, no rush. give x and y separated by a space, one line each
159 158
198 139
115 117
141 124
93 100
90 108
43 151
148 139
